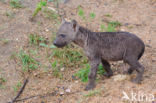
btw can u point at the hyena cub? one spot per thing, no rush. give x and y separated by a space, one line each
103 47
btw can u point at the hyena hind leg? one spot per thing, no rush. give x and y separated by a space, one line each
138 67
129 71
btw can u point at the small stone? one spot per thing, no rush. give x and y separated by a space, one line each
148 46
65 1
76 81
122 29
53 9
67 90
61 93
46 30
62 69
119 77
126 24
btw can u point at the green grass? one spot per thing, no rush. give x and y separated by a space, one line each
2 80
50 14
17 86
4 41
56 69
111 26
83 73
70 56
92 93
92 15
81 13
108 15
87 18
39 7
28 62
37 40
16 4
115 23
10 14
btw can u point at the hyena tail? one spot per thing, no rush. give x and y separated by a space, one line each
142 52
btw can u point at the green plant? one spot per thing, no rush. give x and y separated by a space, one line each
54 64
4 41
35 39
92 93
2 80
111 27
10 14
101 70
92 15
15 4
48 13
39 7
28 63
69 56
87 18
102 27
108 15
56 70
81 13
17 86
33 52
83 73
115 23
2 87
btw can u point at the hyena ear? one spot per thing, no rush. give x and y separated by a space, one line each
63 20
74 24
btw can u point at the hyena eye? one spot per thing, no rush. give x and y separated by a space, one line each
62 35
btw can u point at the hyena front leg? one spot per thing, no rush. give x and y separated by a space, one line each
94 63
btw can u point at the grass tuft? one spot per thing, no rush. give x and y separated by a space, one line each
28 63
92 93
39 7
16 4
111 26
70 56
83 73
17 86
50 14
37 40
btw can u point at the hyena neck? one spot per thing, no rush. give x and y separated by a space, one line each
82 36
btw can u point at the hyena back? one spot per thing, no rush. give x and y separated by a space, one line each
103 47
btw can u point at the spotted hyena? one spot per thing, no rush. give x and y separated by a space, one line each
103 47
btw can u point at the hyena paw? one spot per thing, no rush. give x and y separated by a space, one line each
136 80
89 87
129 71
108 75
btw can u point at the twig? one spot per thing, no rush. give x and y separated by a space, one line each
41 96
20 92
54 93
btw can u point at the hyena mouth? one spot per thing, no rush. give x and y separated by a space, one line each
60 45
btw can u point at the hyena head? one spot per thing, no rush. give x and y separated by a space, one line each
66 33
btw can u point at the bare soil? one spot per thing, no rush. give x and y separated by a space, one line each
136 16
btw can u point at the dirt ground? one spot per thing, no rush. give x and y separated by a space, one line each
136 16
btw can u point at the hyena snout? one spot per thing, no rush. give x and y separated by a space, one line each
59 43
